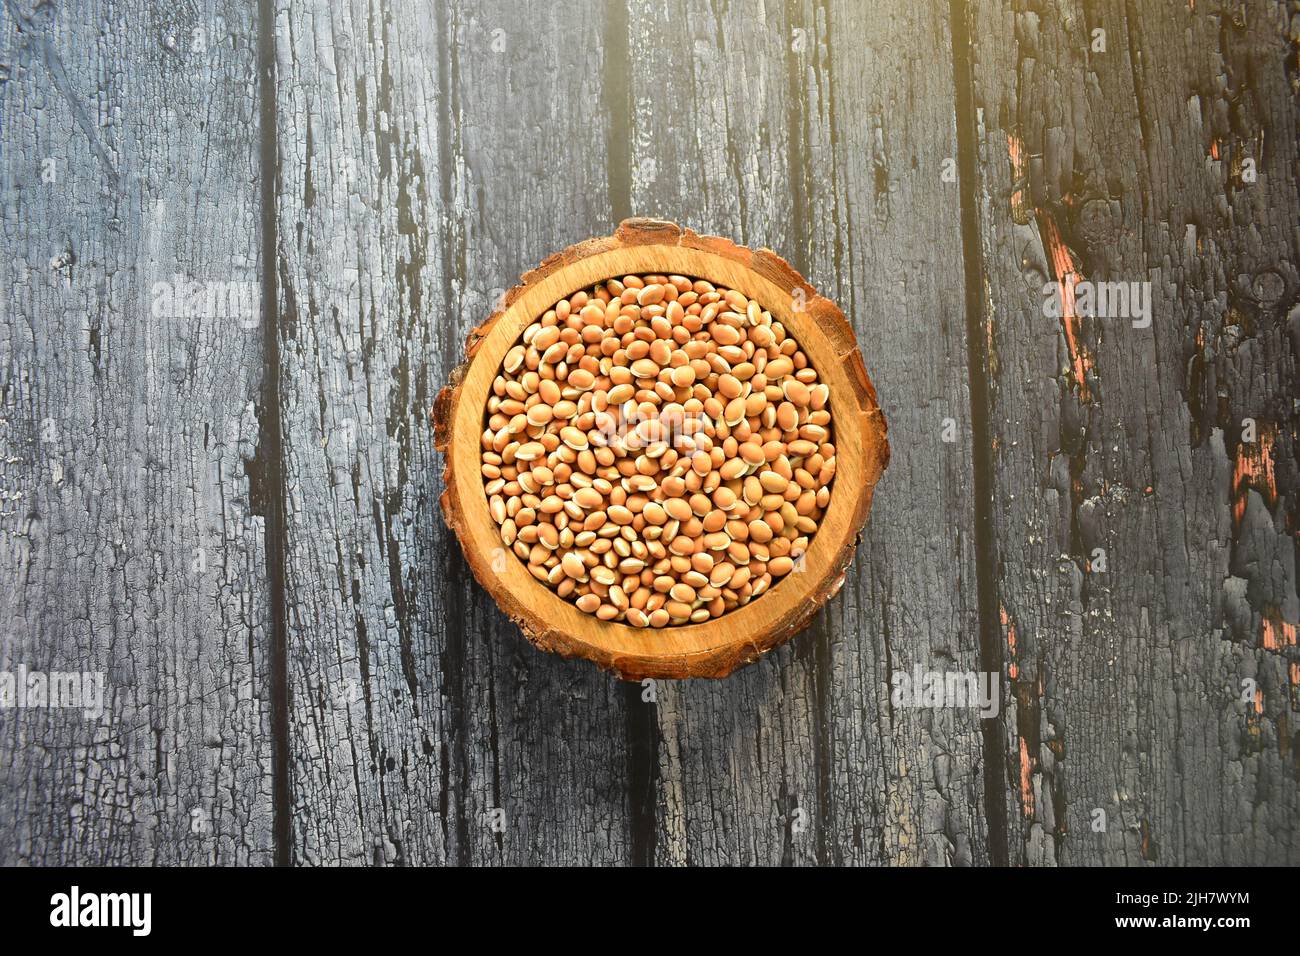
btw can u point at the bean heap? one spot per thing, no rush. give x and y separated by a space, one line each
657 450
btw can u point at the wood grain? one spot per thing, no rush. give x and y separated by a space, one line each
802 760
735 764
357 129
426 154
132 533
1126 164
882 221
527 140
420 186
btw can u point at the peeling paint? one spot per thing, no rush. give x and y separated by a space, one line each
1016 152
1068 273
1254 469
1026 774
1145 847
1277 633
1013 668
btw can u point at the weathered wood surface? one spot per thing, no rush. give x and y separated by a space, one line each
424 165
1123 446
324 684
793 144
132 543
735 763
883 223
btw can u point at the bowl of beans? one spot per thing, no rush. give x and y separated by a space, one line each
660 452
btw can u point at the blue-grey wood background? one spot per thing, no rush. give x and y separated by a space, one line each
231 512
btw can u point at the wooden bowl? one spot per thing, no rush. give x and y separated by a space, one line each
714 648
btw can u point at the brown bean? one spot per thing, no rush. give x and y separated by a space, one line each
635 452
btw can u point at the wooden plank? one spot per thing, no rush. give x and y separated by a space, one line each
358 144
425 179
883 224
736 777
753 121
1130 164
528 151
132 543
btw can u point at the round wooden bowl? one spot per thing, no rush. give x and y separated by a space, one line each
714 648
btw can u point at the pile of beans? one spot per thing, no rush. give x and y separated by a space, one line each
657 450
